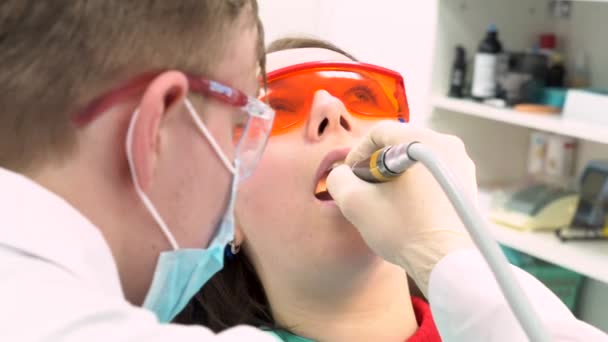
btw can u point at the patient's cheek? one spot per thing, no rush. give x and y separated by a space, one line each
280 184
268 179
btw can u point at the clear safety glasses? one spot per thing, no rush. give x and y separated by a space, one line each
252 117
366 90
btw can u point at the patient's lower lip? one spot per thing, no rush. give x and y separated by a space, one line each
329 203
326 200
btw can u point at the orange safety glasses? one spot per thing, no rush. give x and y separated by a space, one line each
366 90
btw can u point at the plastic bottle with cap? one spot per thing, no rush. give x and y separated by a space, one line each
486 62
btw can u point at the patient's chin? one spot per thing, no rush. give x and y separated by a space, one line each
353 263
348 243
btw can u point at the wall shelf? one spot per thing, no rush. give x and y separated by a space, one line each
588 258
554 124
497 139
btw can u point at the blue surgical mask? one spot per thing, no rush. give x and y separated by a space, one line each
180 273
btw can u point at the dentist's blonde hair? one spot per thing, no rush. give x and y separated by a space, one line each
56 56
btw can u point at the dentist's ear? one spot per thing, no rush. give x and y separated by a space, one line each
163 96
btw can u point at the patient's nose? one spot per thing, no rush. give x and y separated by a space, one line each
327 115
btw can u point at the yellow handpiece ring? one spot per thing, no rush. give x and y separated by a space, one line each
374 168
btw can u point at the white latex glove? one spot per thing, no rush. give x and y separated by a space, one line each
408 221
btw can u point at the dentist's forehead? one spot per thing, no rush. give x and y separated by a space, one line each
281 59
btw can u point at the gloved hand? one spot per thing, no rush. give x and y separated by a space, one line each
408 221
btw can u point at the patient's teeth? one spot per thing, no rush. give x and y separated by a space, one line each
321 186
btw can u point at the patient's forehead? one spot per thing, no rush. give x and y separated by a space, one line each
281 59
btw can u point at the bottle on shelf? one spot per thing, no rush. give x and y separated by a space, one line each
580 79
560 160
556 73
486 62
547 45
459 72
536 153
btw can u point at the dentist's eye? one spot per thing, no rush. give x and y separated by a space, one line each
239 125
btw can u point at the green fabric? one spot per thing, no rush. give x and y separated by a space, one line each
287 337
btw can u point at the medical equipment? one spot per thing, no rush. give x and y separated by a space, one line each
537 207
578 234
365 90
592 208
590 221
389 166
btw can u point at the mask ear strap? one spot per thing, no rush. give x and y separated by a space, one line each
142 195
201 126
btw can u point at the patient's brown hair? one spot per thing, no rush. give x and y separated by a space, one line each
57 55
299 43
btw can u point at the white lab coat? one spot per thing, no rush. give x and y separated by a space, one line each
59 282
468 305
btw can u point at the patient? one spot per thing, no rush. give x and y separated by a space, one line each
303 271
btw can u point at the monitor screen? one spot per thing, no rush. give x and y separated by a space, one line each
592 185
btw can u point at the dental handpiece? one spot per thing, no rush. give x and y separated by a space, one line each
390 162
385 164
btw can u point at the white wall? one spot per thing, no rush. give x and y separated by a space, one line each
397 34
289 17
584 32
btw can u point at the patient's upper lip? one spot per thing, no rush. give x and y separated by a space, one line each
328 161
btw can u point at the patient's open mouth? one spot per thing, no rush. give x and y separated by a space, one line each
332 160
321 192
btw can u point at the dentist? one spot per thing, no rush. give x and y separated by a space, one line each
125 130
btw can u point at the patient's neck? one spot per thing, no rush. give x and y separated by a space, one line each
373 304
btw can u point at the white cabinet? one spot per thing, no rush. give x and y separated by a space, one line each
497 139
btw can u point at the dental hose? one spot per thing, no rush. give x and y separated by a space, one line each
390 162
